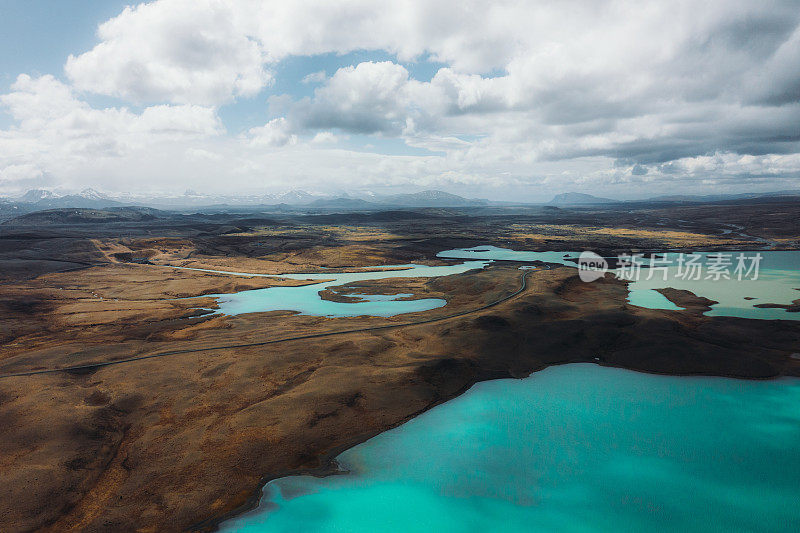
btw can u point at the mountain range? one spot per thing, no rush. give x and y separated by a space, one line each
578 198
87 198
581 199
41 199
90 198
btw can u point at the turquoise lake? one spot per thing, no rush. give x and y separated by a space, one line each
778 281
574 448
306 300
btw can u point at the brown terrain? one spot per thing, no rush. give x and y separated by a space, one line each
186 438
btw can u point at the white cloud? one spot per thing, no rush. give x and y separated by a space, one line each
46 107
273 133
366 98
212 50
56 131
609 92
315 77
180 51
326 137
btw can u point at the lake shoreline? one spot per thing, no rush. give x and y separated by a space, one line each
693 306
277 411
330 467
391 459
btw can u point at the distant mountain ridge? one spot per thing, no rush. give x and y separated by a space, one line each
431 198
90 198
722 197
36 195
579 198
87 216
87 199
40 199
342 203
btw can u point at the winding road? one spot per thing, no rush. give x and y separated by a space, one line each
91 366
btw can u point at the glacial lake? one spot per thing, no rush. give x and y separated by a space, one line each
778 281
306 299
574 448
571 448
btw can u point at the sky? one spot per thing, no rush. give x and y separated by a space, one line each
506 100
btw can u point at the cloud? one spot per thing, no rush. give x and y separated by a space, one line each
366 98
779 82
315 77
273 133
326 137
552 94
46 108
178 51
55 130
214 49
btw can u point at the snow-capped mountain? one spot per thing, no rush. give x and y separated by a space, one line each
91 198
87 198
91 194
34 195
293 197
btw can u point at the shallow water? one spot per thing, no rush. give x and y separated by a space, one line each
778 282
651 299
307 301
572 448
